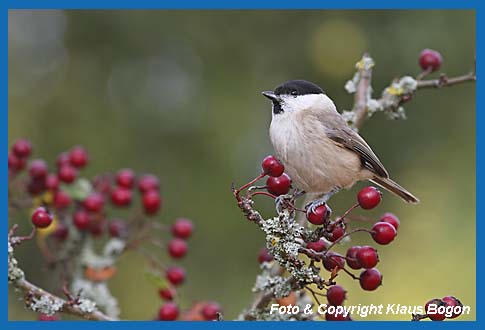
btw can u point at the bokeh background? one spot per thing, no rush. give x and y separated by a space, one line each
177 93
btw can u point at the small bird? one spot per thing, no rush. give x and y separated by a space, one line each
320 152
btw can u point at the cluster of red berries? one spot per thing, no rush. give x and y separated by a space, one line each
88 214
361 257
177 248
365 258
59 194
278 183
439 312
175 275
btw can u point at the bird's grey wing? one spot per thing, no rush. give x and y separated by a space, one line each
349 139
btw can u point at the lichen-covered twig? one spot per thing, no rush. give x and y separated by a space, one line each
392 97
44 302
41 301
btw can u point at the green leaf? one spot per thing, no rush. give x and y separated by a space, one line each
155 279
79 189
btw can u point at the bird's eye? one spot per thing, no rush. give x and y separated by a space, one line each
294 93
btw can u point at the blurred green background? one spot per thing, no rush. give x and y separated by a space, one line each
177 93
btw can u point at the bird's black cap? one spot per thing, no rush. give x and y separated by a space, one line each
298 87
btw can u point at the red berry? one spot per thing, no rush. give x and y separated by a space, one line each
148 182
168 312
391 218
430 311
41 218
367 257
175 275
67 174
279 185
332 260
80 220
61 232
177 248
117 228
351 257
121 196
36 186
151 202
96 227
94 202
369 197
78 157
125 178
45 317
52 182
38 169
22 148
62 159
61 200
336 317
383 232
336 233
319 215
167 293
370 279
272 166
264 256
336 295
317 246
430 59
102 183
453 302
210 311
182 228
15 163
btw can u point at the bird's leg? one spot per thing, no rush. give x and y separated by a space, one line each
298 193
310 207
286 200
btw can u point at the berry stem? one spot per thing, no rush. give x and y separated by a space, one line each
424 73
259 177
346 213
16 240
343 236
350 274
264 193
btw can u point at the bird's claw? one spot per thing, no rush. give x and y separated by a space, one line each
283 202
312 206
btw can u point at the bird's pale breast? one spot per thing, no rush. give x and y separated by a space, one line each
313 161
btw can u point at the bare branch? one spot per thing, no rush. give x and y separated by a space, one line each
444 81
364 89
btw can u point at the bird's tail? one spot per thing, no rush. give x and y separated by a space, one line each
396 189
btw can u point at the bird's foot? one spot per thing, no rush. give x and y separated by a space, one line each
313 205
284 202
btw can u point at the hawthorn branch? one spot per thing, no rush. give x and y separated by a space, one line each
40 300
364 89
392 97
444 81
31 290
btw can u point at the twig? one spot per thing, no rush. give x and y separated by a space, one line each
264 299
363 90
69 308
444 81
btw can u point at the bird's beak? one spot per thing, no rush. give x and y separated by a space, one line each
270 95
